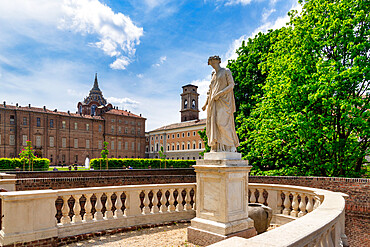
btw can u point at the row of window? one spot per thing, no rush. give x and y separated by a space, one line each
64 143
177 146
126 122
174 135
133 131
87 126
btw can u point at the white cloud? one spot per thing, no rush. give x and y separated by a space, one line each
73 92
120 63
266 14
235 2
141 76
123 101
154 3
161 61
42 11
117 34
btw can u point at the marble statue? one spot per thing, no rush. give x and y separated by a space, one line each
220 104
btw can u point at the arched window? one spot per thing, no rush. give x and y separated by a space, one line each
200 145
93 108
185 104
193 104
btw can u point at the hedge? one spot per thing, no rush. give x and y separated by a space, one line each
39 164
114 163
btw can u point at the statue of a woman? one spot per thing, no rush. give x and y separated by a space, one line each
220 104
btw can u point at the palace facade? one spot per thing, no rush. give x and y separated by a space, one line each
179 140
67 138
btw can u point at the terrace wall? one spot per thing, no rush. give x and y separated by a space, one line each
83 179
357 203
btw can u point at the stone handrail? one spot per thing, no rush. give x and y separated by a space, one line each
318 220
48 214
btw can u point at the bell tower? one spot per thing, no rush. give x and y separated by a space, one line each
189 103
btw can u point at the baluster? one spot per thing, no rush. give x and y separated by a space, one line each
88 206
187 199
302 206
317 202
309 206
286 210
163 201
155 208
179 206
171 201
322 240
329 239
294 212
279 202
98 207
118 204
146 202
65 211
127 204
253 196
77 209
109 213
194 200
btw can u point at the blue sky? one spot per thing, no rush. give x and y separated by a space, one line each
144 51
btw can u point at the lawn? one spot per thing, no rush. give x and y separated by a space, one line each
66 169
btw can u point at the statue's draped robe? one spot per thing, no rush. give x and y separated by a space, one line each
220 113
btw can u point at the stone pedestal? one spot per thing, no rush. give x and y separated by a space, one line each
221 199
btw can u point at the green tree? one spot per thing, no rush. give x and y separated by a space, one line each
27 155
314 114
104 153
203 136
249 79
162 156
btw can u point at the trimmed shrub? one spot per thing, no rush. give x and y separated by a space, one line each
114 163
39 164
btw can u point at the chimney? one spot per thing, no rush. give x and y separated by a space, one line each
69 113
44 108
16 104
140 114
29 105
4 104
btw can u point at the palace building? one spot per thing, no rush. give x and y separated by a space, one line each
179 140
67 138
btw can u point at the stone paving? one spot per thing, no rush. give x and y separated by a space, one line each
166 236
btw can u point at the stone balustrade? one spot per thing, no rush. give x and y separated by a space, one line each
47 214
304 217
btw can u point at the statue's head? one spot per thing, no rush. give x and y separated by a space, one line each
212 58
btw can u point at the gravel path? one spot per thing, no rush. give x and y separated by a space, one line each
162 236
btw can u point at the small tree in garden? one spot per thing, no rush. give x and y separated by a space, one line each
27 155
203 136
104 154
162 156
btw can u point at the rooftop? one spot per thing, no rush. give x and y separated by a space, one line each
60 113
182 125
